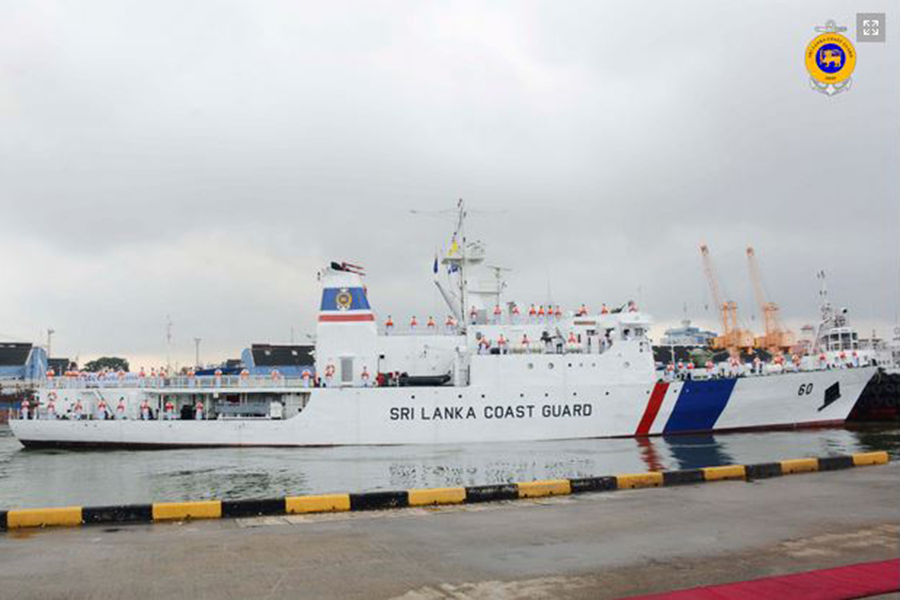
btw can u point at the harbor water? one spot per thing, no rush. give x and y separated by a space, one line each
60 477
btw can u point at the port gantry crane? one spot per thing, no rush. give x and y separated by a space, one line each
776 338
733 338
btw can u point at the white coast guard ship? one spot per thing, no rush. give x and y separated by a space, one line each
491 372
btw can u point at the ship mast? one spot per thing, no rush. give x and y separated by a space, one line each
461 234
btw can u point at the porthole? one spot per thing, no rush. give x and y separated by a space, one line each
482 395
607 393
593 364
550 365
626 364
570 365
530 365
413 397
521 395
460 396
546 395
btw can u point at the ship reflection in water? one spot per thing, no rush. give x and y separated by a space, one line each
52 477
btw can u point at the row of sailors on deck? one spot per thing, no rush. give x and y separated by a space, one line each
109 374
154 378
535 315
547 343
102 412
734 366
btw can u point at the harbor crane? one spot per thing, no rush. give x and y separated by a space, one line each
776 338
733 338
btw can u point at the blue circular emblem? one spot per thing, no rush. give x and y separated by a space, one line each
830 58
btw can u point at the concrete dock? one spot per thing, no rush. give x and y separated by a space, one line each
603 545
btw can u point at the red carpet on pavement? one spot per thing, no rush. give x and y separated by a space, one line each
841 583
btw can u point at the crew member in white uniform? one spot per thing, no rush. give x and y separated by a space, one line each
198 410
120 409
145 410
364 376
24 409
101 410
78 411
170 410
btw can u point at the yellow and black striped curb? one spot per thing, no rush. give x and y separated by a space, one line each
216 509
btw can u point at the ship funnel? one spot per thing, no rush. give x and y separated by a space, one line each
346 336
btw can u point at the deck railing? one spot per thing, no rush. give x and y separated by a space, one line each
236 382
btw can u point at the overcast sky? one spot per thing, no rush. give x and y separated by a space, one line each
203 159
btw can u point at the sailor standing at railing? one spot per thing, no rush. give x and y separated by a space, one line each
120 409
329 375
51 406
306 375
532 313
855 358
498 314
502 344
515 313
198 411
24 409
450 324
388 325
170 410
101 410
670 372
432 326
77 410
757 365
364 376
145 410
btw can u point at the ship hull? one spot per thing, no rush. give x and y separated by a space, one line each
492 413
